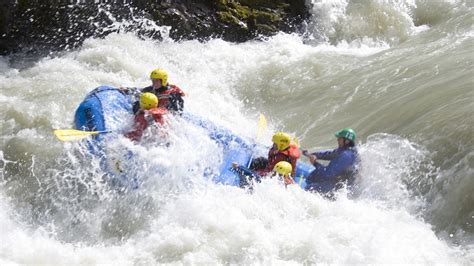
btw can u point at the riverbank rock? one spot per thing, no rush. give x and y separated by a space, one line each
54 25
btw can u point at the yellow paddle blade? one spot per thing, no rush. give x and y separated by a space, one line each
73 134
262 127
296 141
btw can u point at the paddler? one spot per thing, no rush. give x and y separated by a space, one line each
283 149
282 170
149 112
171 96
342 168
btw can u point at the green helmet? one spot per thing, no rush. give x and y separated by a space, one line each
347 133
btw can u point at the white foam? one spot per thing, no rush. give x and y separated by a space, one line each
179 217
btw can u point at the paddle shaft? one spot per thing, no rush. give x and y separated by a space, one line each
74 134
136 91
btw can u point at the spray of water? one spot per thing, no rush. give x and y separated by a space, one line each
57 206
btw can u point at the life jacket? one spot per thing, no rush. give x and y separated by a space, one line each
291 155
163 93
170 89
143 119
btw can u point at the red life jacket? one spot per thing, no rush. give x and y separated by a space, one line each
170 89
143 119
291 155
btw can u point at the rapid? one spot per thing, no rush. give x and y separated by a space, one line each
399 72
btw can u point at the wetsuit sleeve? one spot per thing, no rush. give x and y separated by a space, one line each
327 155
335 168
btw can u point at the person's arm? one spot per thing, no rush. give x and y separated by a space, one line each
326 155
335 168
244 171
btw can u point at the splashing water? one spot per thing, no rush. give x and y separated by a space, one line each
385 75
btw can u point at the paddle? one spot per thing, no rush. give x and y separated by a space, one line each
163 96
136 91
261 128
73 134
296 141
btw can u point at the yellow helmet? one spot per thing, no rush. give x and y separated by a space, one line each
282 140
283 168
148 100
160 74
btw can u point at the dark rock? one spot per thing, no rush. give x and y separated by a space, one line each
54 25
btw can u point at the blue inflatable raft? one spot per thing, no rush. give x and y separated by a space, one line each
108 109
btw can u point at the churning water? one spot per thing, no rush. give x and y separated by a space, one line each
399 72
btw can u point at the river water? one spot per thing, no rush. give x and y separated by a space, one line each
399 72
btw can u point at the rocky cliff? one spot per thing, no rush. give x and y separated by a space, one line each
29 26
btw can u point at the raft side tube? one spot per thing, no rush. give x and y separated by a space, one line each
108 109
104 109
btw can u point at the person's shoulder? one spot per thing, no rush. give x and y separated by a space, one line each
147 89
350 153
352 150
175 89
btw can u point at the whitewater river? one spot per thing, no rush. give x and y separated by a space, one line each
401 73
